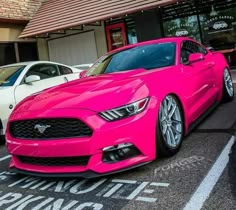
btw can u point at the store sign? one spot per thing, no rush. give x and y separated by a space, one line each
220 23
181 30
181 33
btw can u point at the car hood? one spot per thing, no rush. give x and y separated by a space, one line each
5 91
5 88
97 93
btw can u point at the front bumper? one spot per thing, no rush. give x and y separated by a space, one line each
87 174
139 130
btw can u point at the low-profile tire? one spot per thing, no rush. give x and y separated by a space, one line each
170 127
228 87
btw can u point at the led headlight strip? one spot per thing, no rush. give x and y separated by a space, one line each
125 111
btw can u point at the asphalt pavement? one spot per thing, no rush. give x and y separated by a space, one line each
234 75
196 178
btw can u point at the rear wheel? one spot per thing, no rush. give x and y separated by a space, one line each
170 128
228 87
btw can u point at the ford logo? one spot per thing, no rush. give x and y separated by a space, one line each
41 128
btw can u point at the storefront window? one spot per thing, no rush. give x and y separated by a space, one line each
28 51
219 28
17 52
212 23
7 53
187 26
132 36
219 32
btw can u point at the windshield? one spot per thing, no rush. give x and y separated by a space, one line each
150 56
9 75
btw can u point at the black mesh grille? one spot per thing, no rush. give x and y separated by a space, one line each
49 129
65 161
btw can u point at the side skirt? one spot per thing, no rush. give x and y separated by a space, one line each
202 117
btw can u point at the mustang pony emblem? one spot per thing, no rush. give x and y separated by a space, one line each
41 128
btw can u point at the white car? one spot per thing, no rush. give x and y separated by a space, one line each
20 80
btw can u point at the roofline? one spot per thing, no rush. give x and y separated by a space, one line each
26 34
14 21
34 62
159 40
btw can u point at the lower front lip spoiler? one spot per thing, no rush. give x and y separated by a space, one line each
87 174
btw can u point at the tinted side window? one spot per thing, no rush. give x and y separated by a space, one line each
189 47
185 55
65 70
202 50
194 47
45 71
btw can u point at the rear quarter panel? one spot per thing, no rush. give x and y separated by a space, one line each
220 65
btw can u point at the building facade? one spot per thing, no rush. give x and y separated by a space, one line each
213 23
76 32
14 16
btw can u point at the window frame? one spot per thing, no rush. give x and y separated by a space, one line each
109 56
201 49
59 66
40 64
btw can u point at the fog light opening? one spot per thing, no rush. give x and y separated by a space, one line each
119 152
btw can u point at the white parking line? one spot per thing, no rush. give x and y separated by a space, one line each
203 191
4 158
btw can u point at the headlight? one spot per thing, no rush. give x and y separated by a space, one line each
125 111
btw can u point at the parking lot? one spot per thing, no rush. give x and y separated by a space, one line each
197 177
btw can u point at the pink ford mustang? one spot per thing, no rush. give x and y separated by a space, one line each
135 104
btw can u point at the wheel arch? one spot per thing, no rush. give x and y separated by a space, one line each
221 64
161 149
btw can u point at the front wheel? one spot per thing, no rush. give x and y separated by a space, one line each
170 128
228 87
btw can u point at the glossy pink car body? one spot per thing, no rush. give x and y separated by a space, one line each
197 86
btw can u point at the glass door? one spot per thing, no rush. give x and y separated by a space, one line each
116 36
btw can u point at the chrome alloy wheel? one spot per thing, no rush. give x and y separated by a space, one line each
228 83
170 120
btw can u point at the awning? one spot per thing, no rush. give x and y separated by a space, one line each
55 15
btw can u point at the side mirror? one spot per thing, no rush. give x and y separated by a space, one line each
32 78
82 73
195 57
